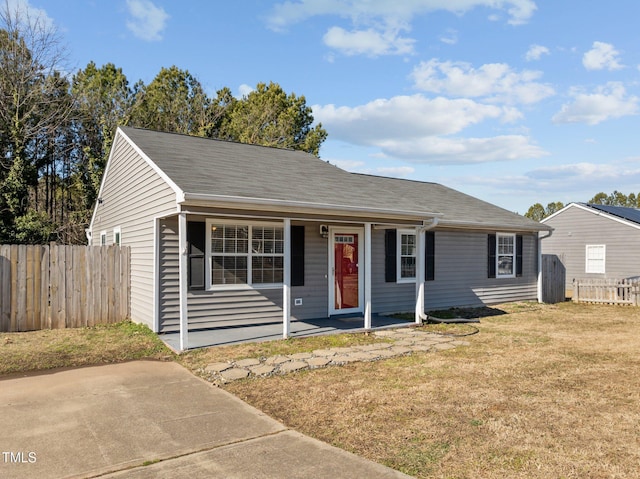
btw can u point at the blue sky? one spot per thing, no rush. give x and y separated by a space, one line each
512 101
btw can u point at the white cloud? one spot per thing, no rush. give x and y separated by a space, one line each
396 171
607 102
403 117
291 12
580 181
451 151
603 56
535 52
575 171
24 11
244 90
495 82
419 129
368 42
148 21
450 38
355 166
377 23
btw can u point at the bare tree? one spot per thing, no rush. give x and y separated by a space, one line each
32 108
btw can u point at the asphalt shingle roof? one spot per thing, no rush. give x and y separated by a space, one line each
202 166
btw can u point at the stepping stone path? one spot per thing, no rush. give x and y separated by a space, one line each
400 342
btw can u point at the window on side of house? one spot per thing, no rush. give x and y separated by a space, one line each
595 258
103 238
117 236
244 254
406 254
505 255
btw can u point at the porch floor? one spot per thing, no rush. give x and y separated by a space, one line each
201 338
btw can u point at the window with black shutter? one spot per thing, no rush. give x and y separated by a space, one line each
505 255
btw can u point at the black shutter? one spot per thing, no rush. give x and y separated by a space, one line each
518 255
390 261
491 261
297 255
430 256
196 231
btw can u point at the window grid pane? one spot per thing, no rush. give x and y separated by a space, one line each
506 255
232 262
407 267
407 255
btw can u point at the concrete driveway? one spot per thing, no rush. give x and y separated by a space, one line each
148 419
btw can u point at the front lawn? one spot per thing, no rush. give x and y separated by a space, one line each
542 392
55 348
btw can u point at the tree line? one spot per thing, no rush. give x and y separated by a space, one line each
538 212
56 129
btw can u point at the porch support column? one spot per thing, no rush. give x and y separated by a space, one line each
286 283
420 266
367 276
182 275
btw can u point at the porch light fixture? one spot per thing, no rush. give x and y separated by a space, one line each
324 231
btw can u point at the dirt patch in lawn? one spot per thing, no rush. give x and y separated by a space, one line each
542 391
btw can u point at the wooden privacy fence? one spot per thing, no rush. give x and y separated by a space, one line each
608 291
61 286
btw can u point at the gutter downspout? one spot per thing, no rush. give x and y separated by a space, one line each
420 317
540 238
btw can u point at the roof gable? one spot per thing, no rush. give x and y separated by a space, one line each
628 216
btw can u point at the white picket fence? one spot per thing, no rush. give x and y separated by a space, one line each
607 291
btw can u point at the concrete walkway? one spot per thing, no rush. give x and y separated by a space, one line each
148 419
399 342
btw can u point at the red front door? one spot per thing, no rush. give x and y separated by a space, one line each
346 278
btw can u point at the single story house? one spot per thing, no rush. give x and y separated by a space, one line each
224 234
595 241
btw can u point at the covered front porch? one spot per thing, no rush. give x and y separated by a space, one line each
335 291
273 331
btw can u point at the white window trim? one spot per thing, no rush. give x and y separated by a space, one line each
588 265
228 287
117 232
498 255
399 278
103 238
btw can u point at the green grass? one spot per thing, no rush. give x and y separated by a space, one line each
47 349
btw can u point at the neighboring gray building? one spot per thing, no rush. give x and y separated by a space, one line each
229 234
595 241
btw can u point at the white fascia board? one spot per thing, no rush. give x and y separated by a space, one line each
216 200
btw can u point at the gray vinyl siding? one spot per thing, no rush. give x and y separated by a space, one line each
461 272
576 228
460 275
315 292
132 195
208 309
387 297
168 275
